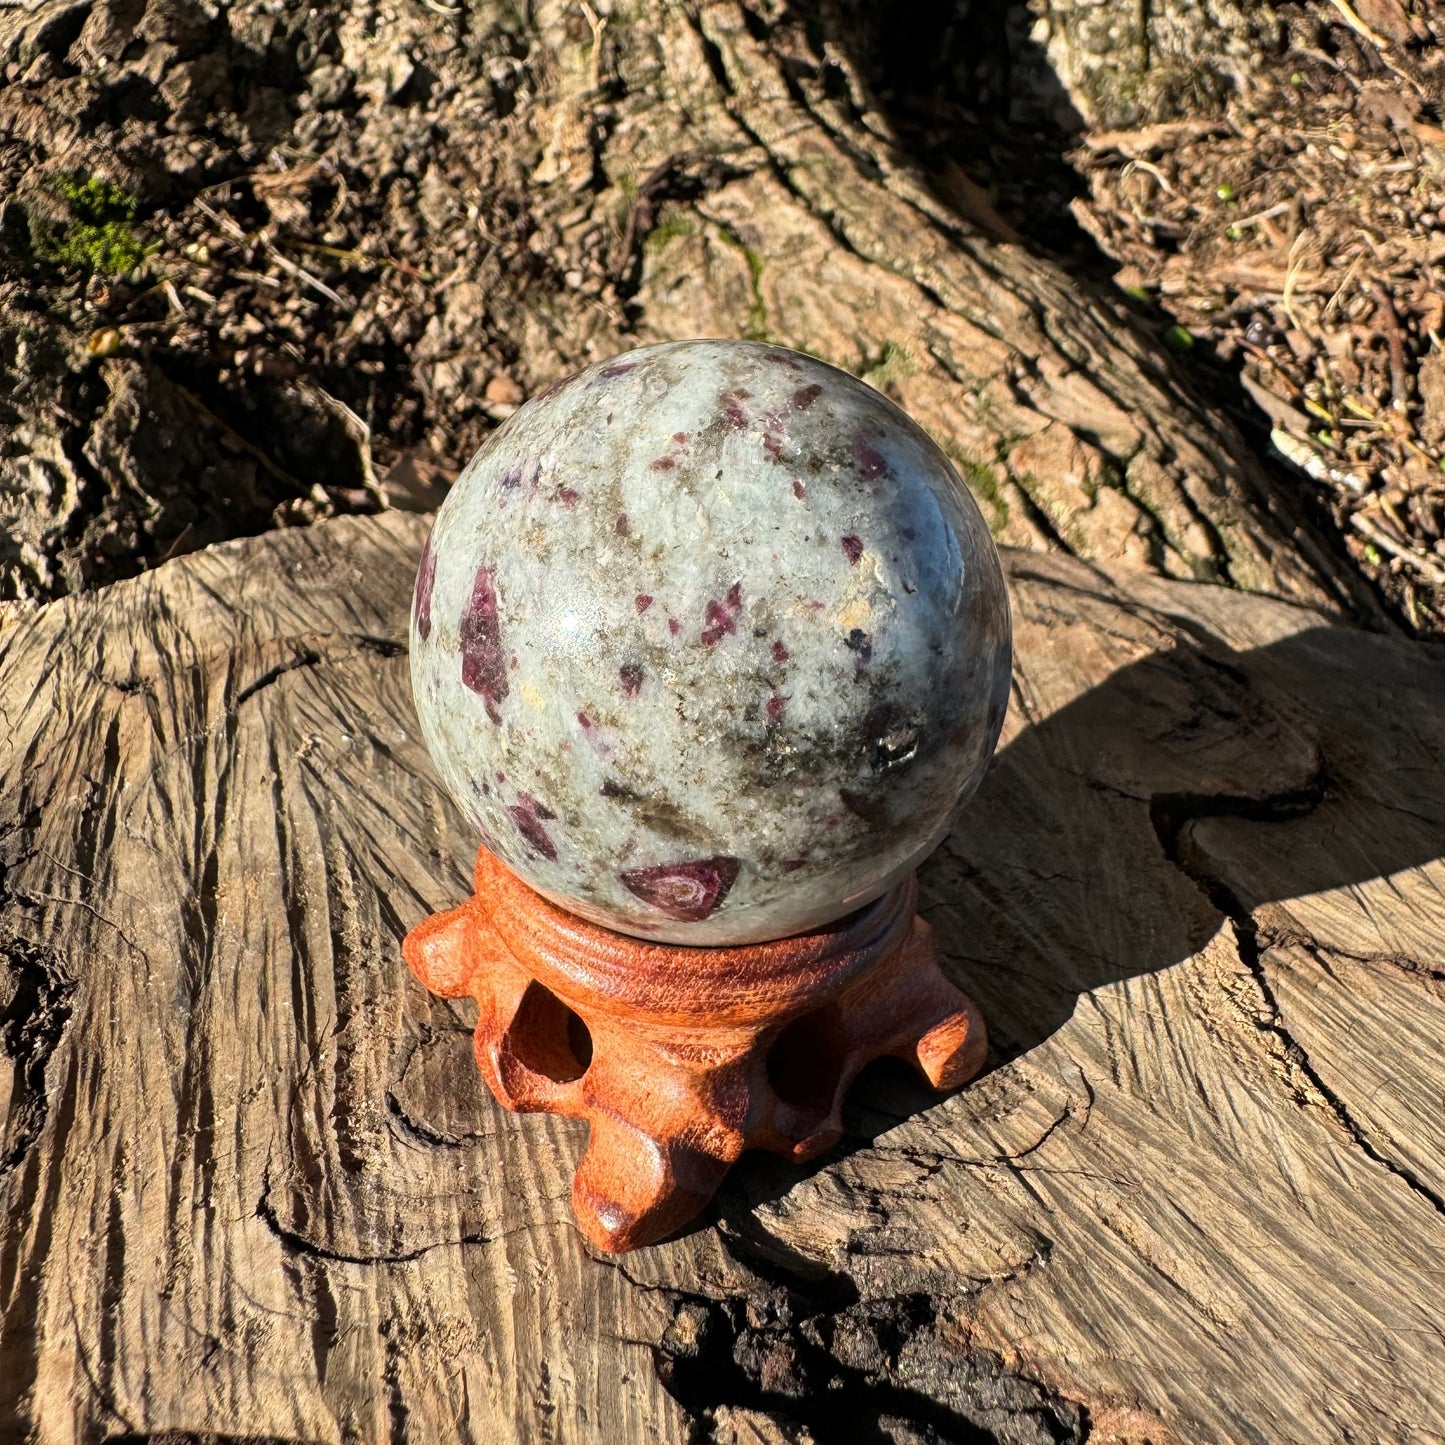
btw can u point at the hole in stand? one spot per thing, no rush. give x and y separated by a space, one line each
807 1058
579 1039
548 1038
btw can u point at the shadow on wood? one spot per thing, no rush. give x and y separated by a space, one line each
1282 772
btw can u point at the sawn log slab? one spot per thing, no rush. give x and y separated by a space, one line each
252 1185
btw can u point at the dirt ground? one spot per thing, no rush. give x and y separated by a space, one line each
238 224
1298 239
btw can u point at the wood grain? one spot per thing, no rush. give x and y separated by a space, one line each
251 1186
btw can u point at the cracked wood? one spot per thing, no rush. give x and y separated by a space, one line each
250 1184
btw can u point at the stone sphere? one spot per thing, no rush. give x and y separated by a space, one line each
710 642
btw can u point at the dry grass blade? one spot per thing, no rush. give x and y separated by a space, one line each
231 229
1358 26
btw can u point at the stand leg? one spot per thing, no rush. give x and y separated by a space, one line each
674 1095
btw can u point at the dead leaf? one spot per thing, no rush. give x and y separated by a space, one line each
417 481
973 203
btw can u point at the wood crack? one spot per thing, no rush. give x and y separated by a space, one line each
1171 815
1251 953
1398 962
304 657
802 1347
32 1023
295 1243
33 1018
853 1371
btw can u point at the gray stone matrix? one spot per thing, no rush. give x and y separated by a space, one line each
710 642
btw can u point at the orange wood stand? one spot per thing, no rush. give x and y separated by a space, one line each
679 1058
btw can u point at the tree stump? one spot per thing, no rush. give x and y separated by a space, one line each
254 1189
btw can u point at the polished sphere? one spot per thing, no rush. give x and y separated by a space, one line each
710 642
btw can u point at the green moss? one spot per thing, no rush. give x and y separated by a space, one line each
1108 477
756 327
983 482
101 236
669 228
892 364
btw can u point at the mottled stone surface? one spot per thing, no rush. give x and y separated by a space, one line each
710 641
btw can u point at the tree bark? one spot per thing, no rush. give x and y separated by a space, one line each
1123 64
815 231
557 189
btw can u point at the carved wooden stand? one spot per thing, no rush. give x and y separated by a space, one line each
680 1058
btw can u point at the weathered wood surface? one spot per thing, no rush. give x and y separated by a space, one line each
252 1186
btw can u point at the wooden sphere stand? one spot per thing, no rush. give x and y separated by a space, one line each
681 1057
